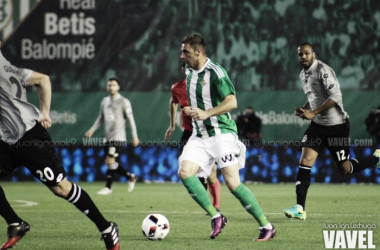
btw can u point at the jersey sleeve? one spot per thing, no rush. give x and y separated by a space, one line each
25 74
225 86
100 119
174 96
330 82
128 112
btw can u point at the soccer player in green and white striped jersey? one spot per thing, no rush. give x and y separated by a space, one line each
214 140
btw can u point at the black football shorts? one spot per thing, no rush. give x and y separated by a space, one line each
335 138
36 151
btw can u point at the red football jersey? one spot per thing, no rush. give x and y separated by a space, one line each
179 95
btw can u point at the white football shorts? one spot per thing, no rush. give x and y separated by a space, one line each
224 150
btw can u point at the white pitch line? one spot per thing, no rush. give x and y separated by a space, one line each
25 203
202 212
186 211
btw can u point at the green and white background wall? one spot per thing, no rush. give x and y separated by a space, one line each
81 43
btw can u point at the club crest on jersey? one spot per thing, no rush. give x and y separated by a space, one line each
203 82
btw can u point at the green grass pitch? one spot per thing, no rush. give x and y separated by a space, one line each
58 225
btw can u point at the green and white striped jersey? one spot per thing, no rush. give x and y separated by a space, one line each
206 89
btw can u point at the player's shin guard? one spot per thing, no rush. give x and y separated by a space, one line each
6 211
249 202
302 184
199 194
358 165
79 198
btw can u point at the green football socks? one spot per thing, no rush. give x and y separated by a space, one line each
249 202
199 194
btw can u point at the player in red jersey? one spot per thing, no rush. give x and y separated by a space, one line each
179 96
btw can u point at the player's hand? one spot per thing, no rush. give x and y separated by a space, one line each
45 121
187 110
135 142
169 133
307 114
196 113
298 111
89 133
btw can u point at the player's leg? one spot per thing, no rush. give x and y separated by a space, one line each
306 162
248 201
313 143
196 190
112 165
230 156
44 163
132 178
340 151
83 202
203 180
214 187
186 134
357 165
187 173
193 156
17 228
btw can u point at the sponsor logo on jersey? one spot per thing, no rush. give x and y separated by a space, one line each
12 70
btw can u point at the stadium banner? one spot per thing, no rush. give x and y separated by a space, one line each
81 43
73 113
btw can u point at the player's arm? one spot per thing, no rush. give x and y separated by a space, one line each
43 86
327 77
98 122
299 112
310 114
132 124
229 103
173 114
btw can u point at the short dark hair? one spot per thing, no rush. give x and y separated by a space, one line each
114 79
195 41
307 44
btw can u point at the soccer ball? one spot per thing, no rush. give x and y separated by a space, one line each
155 227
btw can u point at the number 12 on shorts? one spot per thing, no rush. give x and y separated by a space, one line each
341 155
